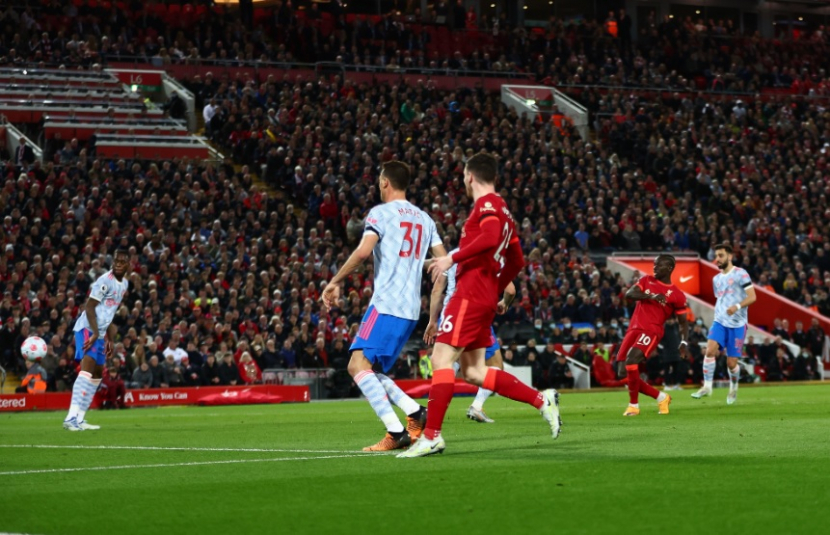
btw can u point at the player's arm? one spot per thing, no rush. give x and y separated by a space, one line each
514 261
92 319
435 302
748 300
488 238
636 293
507 298
112 331
363 251
683 324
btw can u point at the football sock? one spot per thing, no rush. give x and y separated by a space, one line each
708 372
633 371
481 397
86 400
506 385
734 375
82 385
369 384
661 397
649 390
456 366
397 396
440 396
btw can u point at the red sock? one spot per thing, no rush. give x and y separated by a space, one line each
633 383
649 390
440 395
508 386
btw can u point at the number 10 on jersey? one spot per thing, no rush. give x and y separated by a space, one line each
409 245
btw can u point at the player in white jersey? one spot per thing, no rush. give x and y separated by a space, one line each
399 235
94 333
734 293
492 355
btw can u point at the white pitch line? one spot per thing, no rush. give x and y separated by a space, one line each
173 465
172 448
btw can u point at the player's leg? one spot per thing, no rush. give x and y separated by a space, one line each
396 333
630 371
92 361
360 368
716 340
641 348
492 358
733 353
440 396
416 414
476 372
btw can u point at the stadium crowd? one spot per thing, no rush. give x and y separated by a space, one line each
670 53
226 277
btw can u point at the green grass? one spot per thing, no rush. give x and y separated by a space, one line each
760 466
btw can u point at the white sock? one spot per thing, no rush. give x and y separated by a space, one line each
734 377
635 405
708 372
369 384
481 397
82 385
661 397
86 401
398 396
456 366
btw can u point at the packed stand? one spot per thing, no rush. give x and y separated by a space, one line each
243 273
669 54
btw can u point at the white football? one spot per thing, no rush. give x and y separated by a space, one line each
33 348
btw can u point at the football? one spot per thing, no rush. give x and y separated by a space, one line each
33 348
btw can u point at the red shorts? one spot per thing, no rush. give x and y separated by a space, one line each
466 324
642 340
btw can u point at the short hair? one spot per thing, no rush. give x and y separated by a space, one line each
668 258
121 252
397 173
723 247
484 167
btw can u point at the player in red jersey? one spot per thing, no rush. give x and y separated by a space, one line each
489 257
657 300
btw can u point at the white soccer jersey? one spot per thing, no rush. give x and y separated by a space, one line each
109 293
406 234
730 289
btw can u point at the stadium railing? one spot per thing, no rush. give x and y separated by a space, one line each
89 116
56 129
148 147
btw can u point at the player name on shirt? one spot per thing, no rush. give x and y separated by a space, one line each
405 236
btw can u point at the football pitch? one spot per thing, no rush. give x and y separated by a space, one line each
760 466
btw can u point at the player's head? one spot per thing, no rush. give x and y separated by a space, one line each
394 176
723 256
482 168
664 266
120 262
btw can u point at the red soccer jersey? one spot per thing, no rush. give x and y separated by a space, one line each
650 316
478 276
